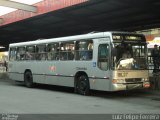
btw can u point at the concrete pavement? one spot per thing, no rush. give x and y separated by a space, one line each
44 99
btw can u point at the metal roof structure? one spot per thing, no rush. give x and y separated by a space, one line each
72 17
18 5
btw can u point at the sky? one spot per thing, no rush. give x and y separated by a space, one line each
5 10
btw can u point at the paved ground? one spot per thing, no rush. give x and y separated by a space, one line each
44 99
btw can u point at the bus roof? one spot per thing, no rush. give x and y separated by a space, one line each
68 38
51 40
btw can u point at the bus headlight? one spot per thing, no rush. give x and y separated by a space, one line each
145 79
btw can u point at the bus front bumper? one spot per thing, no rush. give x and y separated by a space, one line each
130 86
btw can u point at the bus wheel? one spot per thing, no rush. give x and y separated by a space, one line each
83 85
28 79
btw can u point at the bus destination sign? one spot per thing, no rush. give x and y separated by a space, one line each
128 37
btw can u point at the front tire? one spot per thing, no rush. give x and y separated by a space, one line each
28 79
82 85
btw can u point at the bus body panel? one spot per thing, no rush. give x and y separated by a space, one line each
64 73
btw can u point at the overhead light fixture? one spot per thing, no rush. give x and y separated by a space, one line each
1 47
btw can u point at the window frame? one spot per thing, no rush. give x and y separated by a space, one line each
107 57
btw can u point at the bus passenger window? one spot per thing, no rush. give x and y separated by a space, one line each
30 53
41 52
21 53
103 51
84 50
12 54
53 51
67 51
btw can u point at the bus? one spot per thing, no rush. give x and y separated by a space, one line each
86 62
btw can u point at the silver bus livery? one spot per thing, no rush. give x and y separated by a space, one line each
106 61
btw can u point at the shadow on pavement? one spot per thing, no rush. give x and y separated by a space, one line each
103 94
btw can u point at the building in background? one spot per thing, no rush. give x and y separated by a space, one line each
151 34
152 37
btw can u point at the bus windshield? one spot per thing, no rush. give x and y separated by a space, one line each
129 56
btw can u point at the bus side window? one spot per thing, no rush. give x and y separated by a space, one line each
49 52
84 50
21 53
63 55
53 51
41 52
103 56
30 53
67 51
12 54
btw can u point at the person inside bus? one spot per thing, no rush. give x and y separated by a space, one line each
57 54
42 56
86 54
83 51
127 53
136 53
70 54
28 56
155 56
90 50
117 53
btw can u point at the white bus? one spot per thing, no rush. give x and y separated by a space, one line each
90 61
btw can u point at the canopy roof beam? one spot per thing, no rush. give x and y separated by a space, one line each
16 5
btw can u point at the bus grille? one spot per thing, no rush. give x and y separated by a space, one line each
133 80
